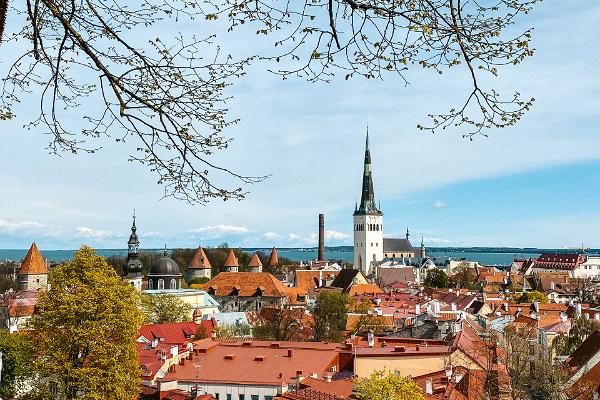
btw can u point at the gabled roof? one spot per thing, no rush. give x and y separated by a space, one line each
33 263
364 288
273 259
255 261
397 245
246 284
200 261
585 351
231 260
345 278
178 333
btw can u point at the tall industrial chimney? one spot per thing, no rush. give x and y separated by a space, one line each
321 254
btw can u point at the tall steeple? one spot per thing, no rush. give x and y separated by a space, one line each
133 265
367 200
133 244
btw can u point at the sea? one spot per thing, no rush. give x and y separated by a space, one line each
497 256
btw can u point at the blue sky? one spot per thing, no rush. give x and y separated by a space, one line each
535 184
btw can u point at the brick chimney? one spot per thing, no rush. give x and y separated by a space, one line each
321 254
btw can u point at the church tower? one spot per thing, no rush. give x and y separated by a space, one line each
133 265
368 223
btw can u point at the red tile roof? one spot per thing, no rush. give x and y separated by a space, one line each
586 385
306 279
257 362
200 261
585 351
33 263
364 288
231 260
247 284
565 261
179 333
255 261
273 259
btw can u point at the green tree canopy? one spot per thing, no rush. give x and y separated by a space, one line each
384 385
85 332
530 297
164 308
436 278
330 314
17 362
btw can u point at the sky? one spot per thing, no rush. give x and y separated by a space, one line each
532 185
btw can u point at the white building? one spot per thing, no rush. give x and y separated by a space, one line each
368 223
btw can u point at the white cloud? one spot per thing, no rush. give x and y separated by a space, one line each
293 236
221 229
271 236
9 226
437 241
88 232
151 234
438 205
336 235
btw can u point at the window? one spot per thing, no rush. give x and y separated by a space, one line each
228 396
173 284
268 397
150 285
254 397
241 397
161 284
217 396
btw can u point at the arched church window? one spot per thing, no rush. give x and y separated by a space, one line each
173 284
150 284
161 284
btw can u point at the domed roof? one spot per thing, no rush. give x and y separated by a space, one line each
164 266
133 265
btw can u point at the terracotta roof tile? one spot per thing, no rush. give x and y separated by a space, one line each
255 261
200 261
273 259
246 283
33 263
364 288
231 260
306 279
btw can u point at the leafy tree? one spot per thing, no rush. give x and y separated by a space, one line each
164 308
330 314
530 297
17 362
234 330
384 385
362 308
167 94
85 331
282 323
581 329
366 323
436 278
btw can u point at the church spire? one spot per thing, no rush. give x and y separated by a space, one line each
367 200
133 243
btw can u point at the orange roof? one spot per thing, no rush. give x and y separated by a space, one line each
255 261
246 283
33 263
364 288
273 259
231 260
309 279
200 261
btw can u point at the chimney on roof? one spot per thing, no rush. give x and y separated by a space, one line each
289 353
327 377
321 254
428 386
458 377
552 285
505 307
578 310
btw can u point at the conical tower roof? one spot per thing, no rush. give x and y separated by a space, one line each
273 259
33 263
200 261
255 261
231 260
